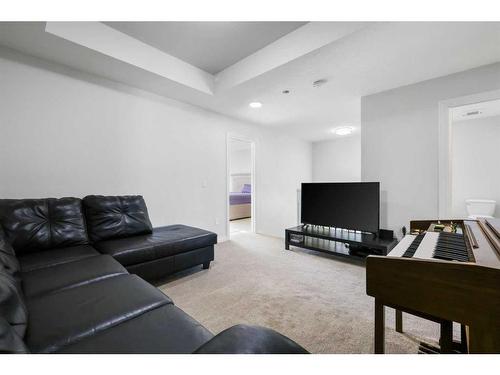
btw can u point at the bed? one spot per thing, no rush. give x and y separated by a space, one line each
240 203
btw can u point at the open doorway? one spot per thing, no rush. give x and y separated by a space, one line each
466 153
475 136
241 189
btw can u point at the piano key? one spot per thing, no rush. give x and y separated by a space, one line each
451 256
447 237
451 246
451 240
427 246
458 249
402 246
457 243
451 234
413 247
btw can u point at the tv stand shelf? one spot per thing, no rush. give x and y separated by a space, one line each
333 240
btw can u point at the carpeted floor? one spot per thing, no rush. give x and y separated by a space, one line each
240 226
315 299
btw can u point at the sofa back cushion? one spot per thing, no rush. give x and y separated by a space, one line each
12 306
37 224
116 216
8 258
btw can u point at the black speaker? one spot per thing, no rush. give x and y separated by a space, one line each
385 234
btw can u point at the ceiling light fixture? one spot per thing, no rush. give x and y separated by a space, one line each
344 130
255 104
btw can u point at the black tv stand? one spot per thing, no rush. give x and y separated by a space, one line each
337 241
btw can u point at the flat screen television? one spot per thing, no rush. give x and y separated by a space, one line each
347 205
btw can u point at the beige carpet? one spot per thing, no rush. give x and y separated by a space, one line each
315 299
240 226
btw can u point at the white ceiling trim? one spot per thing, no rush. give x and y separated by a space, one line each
111 42
299 42
376 58
104 39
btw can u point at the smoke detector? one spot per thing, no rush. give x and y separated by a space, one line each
319 82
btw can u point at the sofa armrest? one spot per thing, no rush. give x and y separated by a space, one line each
246 339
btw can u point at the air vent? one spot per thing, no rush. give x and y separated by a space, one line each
319 82
473 113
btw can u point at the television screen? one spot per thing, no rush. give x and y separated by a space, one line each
347 205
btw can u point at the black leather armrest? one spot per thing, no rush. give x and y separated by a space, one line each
245 339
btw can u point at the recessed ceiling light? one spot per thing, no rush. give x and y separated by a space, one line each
255 104
344 130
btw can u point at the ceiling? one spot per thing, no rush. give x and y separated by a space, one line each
475 111
356 59
210 46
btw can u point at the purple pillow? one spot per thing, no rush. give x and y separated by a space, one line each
247 188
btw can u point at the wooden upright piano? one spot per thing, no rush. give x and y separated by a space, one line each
445 271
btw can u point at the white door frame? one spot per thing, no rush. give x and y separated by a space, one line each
240 138
445 150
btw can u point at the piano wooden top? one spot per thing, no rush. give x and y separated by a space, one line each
486 254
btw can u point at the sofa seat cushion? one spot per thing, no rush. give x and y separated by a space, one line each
163 242
69 275
247 339
48 258
165 330
32 225
67 316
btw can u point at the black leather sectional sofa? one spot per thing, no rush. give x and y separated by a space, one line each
72 281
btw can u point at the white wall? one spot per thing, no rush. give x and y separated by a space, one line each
241 161
64 133
338 160
475 162
399 142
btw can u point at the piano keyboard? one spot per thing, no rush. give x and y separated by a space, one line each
451 246
433 245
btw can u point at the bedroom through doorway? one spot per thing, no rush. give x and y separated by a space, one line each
241 186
